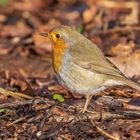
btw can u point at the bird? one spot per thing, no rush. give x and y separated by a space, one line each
81 66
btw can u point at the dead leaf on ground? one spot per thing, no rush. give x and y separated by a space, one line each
127 60
19 29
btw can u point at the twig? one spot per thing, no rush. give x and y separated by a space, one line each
127 106
16 121
14 94
106 134
35 101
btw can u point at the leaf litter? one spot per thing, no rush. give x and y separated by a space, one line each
26 69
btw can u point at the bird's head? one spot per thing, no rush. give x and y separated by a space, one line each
62 37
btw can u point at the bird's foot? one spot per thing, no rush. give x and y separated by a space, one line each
82 110
85 111
88 98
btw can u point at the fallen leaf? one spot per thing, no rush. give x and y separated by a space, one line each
58 97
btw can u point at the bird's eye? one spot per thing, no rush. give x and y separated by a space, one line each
57 35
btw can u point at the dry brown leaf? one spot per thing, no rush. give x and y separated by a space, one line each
19 29
31 4
4 49
122 49
3 99
89 14
126 60
42 44
57 111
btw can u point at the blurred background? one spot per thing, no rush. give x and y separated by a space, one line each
25 57
112 25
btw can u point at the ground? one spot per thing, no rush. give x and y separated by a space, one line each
46 110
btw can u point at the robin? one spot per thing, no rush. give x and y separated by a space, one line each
81 66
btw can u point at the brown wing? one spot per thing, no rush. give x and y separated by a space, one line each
86 55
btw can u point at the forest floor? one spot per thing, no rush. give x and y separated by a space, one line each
47 110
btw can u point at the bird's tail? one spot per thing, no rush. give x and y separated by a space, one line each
132 84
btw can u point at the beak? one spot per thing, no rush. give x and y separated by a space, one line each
44 34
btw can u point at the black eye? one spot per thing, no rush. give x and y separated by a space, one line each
57 35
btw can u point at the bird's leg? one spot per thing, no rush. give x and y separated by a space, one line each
88 98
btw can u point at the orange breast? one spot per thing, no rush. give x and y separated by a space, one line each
58 55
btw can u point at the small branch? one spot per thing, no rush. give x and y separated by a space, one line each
16 121
17 95
127 106
35 101
106 134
